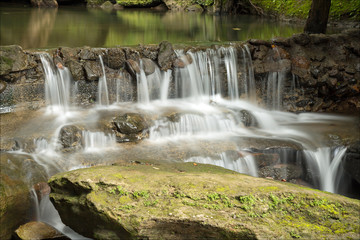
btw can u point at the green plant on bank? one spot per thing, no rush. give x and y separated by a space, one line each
340 9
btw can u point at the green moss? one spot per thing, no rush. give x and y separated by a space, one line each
138 3
340 9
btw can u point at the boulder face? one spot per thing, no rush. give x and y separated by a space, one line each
70 137
38 230
210 202
130 127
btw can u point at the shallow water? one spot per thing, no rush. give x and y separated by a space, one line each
68 26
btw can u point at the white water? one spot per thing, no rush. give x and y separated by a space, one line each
97 141
103 94
57 85
207 109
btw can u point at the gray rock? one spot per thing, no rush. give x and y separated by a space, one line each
38 230
70 137
92 70
115 58
76 69
2 86
148 65
166 55
133 67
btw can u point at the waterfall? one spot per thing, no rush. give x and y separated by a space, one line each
103 94
164 91
242 164
142 86
57 85
231 70
325 167
96 141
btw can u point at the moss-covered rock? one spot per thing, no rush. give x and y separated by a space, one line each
160 201
138 3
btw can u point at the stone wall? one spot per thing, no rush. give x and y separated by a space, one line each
321 72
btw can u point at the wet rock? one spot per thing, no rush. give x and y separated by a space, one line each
183 61
76 69
2 86
166 55
115 58
148 65
352 161
132 54
247 118
38 230
281 171
42 189
133 67
89 53
44 3
130 123
281 41
300 66
118 7
18 174
70 137
150 51
319 38
92 70
130 127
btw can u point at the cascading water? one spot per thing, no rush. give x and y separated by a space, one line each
196 106
103 94
57 85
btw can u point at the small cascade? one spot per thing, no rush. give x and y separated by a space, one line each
96 141
164 90
230 57
248 82
243 164
275 83
325 167
124 88
193 125
142 86
103 94
57 85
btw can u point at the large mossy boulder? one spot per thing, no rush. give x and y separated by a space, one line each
194 201
14 59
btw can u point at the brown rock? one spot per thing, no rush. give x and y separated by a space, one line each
38 230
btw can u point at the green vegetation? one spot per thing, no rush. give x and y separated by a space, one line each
208 194
340 9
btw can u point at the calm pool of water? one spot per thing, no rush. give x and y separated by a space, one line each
79 26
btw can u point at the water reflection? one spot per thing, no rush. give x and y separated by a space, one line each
79 26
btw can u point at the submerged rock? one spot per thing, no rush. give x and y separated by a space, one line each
38 230
158 202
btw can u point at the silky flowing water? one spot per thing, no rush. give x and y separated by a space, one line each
199 120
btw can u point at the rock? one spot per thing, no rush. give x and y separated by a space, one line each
15 182
133 67
188 201
92 70
87 53
148 65
2 86
166 55
38 230
352 161
139 3
259 42
115 58
130 123
161 7
118 7
183 61
247 118
76 69
70 137
194 8
14 59
281 41
281 171
44 3
107 5
42 189
302 39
